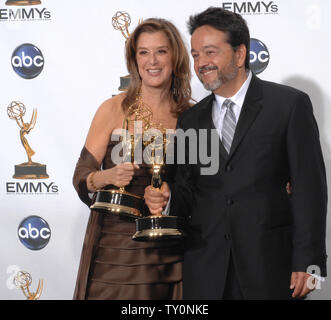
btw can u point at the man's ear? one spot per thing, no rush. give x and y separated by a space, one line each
241 56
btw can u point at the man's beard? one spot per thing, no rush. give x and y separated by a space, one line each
222 77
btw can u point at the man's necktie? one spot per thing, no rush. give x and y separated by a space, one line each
229 125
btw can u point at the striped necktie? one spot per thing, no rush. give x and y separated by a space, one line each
229 125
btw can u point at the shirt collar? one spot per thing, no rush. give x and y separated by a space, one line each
239 97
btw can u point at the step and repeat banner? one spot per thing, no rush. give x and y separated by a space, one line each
59 61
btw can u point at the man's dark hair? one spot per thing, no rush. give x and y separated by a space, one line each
229 22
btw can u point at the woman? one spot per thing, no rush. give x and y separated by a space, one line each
112 265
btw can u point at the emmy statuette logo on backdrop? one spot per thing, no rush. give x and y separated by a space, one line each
27 170
121 21
23 281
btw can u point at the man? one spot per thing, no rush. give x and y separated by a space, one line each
249 239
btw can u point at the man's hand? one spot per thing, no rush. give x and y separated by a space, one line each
302 283
157 199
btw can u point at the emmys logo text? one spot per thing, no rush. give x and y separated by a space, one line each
27 61
251 7
259 56
24 14
15 12
30 188
34 232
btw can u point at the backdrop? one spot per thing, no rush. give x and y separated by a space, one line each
63 59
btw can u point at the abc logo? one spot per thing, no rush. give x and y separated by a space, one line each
34 232
259 56
27 61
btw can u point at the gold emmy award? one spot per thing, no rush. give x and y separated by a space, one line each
23 281
27 170
155 228
121 21
120 201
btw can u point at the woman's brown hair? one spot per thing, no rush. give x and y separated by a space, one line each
180 86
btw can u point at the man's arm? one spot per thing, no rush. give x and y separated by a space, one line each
309 198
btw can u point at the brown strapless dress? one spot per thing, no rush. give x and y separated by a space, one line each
113 266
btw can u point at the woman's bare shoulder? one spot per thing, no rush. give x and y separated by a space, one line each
112 105
110 112
108 117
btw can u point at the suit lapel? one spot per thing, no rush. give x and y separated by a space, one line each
250 109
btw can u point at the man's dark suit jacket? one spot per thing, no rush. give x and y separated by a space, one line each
244 207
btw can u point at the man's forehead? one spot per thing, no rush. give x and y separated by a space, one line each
208 36
206 47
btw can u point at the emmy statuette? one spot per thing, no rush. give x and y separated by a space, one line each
163 227
27 170
121 22
23 280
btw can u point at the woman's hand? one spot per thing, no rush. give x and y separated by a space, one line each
121 174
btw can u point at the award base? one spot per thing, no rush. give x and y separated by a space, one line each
118 202
124 84
22 2
30 170
158 228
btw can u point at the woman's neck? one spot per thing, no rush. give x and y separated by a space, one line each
156 97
